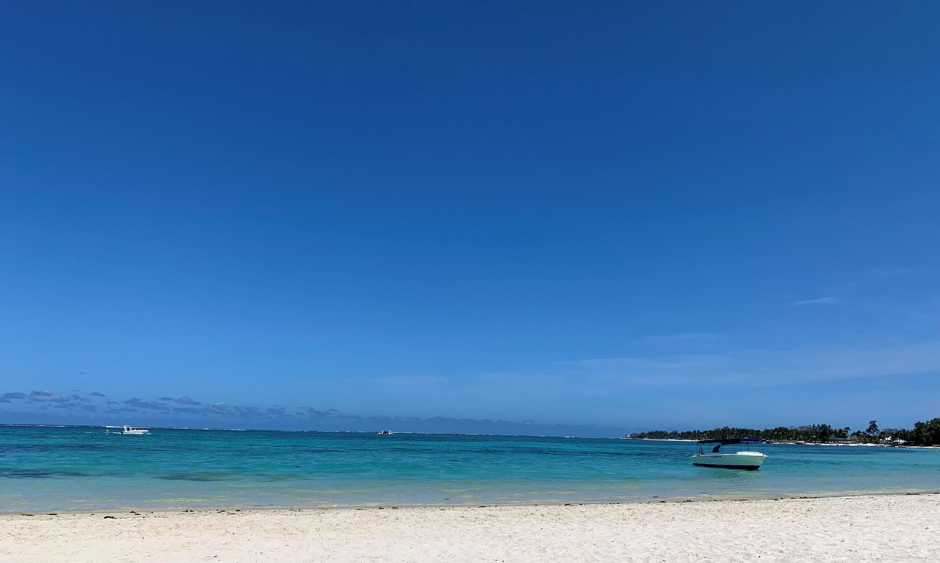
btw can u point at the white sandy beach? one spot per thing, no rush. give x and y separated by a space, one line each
868 528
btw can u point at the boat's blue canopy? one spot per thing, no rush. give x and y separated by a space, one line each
724 441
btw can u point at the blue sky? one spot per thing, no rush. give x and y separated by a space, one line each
609 213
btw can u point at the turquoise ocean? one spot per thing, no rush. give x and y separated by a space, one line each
51 468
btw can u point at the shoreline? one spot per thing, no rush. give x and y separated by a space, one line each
888 527
653 500
772 443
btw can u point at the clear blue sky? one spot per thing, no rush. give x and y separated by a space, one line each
625 214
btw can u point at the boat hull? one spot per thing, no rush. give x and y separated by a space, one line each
740 460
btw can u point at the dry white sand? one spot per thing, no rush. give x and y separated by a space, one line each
871 528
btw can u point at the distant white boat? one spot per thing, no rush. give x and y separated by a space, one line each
732 453
385 433
133 431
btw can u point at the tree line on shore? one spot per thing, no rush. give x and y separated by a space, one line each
923 434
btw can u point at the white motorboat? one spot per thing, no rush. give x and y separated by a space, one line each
733 453
131 430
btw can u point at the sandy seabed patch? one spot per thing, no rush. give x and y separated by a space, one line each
867 528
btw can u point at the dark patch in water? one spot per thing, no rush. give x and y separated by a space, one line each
11 448
546 452
275 478
105 447
38 474
190 477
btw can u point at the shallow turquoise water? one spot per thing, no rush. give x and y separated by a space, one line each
82 469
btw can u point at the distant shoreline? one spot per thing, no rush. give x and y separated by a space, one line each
828 444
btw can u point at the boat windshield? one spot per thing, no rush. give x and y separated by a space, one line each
729 445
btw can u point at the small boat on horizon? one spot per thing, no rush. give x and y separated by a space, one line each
736 454
130 430
385 433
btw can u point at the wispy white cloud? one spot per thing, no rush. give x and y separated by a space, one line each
892 272
757 368
141 404
679 337
884 277
46 397
409 381
818 301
